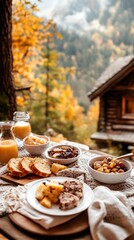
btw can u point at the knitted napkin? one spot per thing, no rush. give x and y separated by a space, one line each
109 216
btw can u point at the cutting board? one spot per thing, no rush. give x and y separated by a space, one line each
74 226
21 181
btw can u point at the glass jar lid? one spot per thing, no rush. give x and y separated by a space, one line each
21 116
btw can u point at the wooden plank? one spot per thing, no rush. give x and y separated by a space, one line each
123 127
124 121
123 137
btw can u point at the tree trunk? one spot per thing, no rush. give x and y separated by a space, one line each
7 91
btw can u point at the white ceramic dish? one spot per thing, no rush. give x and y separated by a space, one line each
62 160
37 149
84 203
109 178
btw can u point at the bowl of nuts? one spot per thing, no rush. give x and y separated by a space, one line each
36 144
62 153
109 170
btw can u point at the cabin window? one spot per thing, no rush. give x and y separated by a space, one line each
128 107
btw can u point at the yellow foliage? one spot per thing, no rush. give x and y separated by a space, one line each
28 34
93 112
68 105
20 101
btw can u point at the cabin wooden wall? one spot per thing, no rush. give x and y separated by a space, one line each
110 117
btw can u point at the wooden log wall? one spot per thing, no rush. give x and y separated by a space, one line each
110 117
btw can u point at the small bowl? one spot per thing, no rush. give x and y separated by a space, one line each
54 157
34 144
109 178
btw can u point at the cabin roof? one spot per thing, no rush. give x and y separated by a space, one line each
115 72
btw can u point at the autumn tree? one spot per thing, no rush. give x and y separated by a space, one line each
7 91
53 75
27 35
49 77
36 64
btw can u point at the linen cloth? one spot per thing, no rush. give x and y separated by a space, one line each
14 200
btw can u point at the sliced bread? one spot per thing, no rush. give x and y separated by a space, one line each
40 167
14 167
24 165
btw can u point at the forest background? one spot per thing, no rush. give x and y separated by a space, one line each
55 67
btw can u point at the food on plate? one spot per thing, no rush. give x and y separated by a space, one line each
56 167
67 194
46 202
67 201
64 152
74 186
51 190
110 165
40 167
15 169
34 140
40 192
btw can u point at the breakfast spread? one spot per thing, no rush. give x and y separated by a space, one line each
63 151
21 167
110 165
67 194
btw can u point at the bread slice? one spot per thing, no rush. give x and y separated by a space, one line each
14 167
24 165
40 167
56 167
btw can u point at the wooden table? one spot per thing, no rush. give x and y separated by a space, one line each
11 231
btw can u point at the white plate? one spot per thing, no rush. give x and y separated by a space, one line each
84 203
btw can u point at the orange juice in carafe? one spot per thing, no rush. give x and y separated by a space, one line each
8 145
22 127
8 150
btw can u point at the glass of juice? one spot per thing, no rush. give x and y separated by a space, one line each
22 127
8 145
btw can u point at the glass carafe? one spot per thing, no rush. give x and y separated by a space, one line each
22 127
8 145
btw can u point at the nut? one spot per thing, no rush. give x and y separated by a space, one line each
109 165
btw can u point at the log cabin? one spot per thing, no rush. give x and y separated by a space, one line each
115 90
